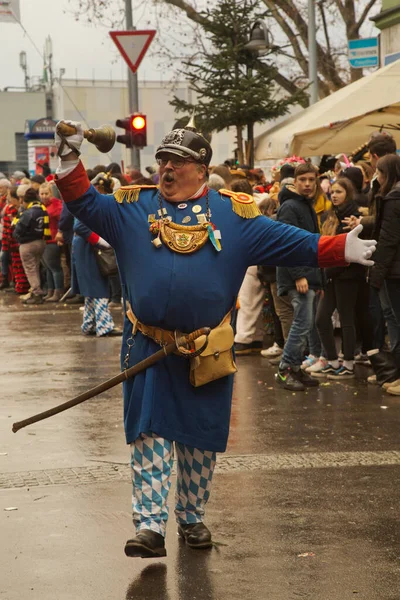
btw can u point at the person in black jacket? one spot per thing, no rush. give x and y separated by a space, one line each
31 232
346 287
386 271
299 284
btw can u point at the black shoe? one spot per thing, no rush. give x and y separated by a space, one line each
196 535
243 349
287 378
306 379
4 285
75 300
147 544
115 331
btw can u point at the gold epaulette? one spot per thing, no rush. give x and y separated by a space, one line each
242 204
130 193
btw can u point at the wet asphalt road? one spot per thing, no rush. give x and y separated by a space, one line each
304 504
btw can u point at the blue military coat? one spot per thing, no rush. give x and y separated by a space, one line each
181 291
86 277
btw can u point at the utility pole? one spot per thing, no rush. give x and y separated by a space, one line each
312 53
133 92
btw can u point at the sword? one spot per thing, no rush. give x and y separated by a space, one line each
181 340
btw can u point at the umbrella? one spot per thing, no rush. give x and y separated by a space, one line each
340 122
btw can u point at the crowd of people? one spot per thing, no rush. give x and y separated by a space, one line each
305 307
48 256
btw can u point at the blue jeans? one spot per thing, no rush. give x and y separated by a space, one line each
300 330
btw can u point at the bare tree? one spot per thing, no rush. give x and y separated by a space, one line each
338 21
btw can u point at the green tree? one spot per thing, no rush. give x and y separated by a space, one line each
233 87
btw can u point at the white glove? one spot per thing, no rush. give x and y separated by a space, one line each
359 251
102 243
74 141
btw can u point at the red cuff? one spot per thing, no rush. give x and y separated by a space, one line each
331 250
73 185
93 238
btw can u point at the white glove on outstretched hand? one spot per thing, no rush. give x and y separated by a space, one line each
102 243
73 140
359 251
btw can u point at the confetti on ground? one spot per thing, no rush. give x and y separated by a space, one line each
3 453
384 407
306 554
11 508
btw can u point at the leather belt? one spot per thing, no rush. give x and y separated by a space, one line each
159 335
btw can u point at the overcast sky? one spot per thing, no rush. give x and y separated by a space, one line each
81 50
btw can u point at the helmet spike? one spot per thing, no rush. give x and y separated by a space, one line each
191 126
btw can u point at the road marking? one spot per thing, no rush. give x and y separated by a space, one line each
225 464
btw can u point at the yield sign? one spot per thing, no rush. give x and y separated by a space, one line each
133 45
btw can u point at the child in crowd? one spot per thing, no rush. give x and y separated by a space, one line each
346 287
52 251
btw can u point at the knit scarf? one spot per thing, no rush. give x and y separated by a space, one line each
46 220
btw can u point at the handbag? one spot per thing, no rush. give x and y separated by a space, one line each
106 261
216 360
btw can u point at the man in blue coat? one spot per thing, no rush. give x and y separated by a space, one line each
182 251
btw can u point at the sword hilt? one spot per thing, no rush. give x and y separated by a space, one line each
183 340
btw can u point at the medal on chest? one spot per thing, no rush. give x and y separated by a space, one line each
184 239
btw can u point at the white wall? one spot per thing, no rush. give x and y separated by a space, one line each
15 109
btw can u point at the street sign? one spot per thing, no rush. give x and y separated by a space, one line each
391 58
364 53
133 45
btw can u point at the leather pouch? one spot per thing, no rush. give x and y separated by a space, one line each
216 360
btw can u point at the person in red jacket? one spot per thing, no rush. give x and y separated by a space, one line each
10 245
52 252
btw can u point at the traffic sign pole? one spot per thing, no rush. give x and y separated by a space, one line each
133 90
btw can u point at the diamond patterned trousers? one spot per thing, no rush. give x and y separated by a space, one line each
97 317
151 462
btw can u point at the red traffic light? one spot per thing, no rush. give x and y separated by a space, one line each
139 130
138 122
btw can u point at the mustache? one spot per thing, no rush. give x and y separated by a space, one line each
169 177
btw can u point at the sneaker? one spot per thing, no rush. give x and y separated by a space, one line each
342 373
275 360
243 349
273 351
306 379
372 380
362 359
309 361
4 285
318 366
327 370
288 379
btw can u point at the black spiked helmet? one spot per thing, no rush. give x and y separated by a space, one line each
187 143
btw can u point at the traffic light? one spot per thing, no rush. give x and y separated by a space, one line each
139 130
126 138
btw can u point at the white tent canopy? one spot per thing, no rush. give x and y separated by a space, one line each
340 122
